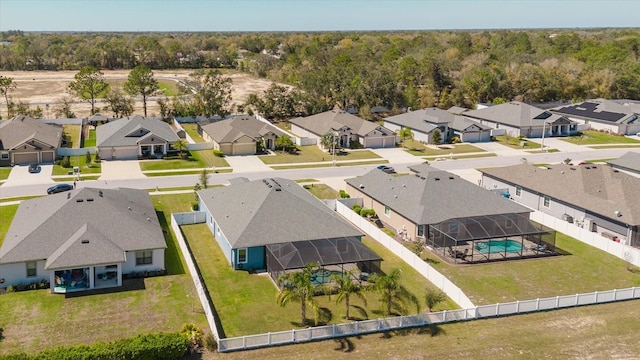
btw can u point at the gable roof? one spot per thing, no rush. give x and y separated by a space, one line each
598 189
233 128
120 132
516 114
602 110
426 120
54 227
272 211
432 195
629 161
22 129
333 120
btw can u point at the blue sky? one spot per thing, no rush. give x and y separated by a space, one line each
311 15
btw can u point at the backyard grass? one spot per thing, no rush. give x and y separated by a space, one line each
322 191
246 303
325 164
621 146
607 331
591 137
418 149
91 140
312 153
585 269
168 87
284 125
81 161
73 135
192 130
4 173
36 320
515 142
198 159
6 214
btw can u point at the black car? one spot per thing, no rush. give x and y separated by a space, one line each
387 169
59 188
34 168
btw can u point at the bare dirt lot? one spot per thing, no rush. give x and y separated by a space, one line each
47 89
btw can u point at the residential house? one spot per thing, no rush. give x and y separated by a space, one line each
276 225
596 197
424 122
82 239
455 218
129 138
351 130
617 116
628 163
24 140
240 135
519 119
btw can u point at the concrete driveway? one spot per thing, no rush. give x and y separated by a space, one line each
20 176
247 163
120 170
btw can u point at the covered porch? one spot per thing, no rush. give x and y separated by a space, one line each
85 278
152 149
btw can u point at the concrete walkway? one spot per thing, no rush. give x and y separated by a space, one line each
120 170
563 146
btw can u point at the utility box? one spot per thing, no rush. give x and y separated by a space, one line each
568 218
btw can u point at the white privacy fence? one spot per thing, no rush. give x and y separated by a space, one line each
426 270
628 253
187 137
441 317
195 217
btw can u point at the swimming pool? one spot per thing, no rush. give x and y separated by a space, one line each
321 276
499 246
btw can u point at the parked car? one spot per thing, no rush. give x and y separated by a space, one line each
59 188
387 169
34 168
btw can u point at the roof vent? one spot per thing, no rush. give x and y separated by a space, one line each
278 189
148 219
587 167
100 193
436 179
562 172
615 171
89 199
85 241
79 200
593 167
68 196
451 178
361 186
574 169
129 207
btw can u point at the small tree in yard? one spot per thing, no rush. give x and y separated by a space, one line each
196 188
181 146
393 295
298 287
204 178
406 133
346 288
433 298
88 157
284 142
436 137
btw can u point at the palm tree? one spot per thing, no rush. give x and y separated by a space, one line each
181 146
297 286
346 287
329 141
392 293
406 133
284 141
434 297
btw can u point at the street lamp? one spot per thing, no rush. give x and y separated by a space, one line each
333 144
544 130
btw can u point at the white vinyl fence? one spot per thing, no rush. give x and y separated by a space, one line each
187 137
627 253
426 270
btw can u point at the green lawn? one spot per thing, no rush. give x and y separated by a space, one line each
6 214
591 137
312 153
418 149
72 133
515 142
19 198
168 87
246 303
322 191
186 172
192 130
619 146
321 165
198 159
585 269
36 320
4 173
459 157
93 168
91 140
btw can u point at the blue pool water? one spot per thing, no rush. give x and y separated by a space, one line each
498 246
321 276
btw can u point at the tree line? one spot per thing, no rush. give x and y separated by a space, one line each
364 69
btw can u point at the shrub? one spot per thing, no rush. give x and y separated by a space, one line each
218 153
344 195
193 334
210 342
455 140
367 212
97 157
356 208
11 289
66 163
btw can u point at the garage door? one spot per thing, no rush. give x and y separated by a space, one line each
47 157
244 149
371 142
471 137
126 153
25 158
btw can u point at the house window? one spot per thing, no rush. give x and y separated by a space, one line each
144 257
4 156
32 269
242 256
420 230
387 211
546 201
518 191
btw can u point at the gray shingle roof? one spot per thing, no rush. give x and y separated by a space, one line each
629 161
115 133
21 129
53 227
333 120
602 110
432 196
272 211
231 129
597 188
425 120
515 113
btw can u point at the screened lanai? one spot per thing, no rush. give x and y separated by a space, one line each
337 255
491 238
